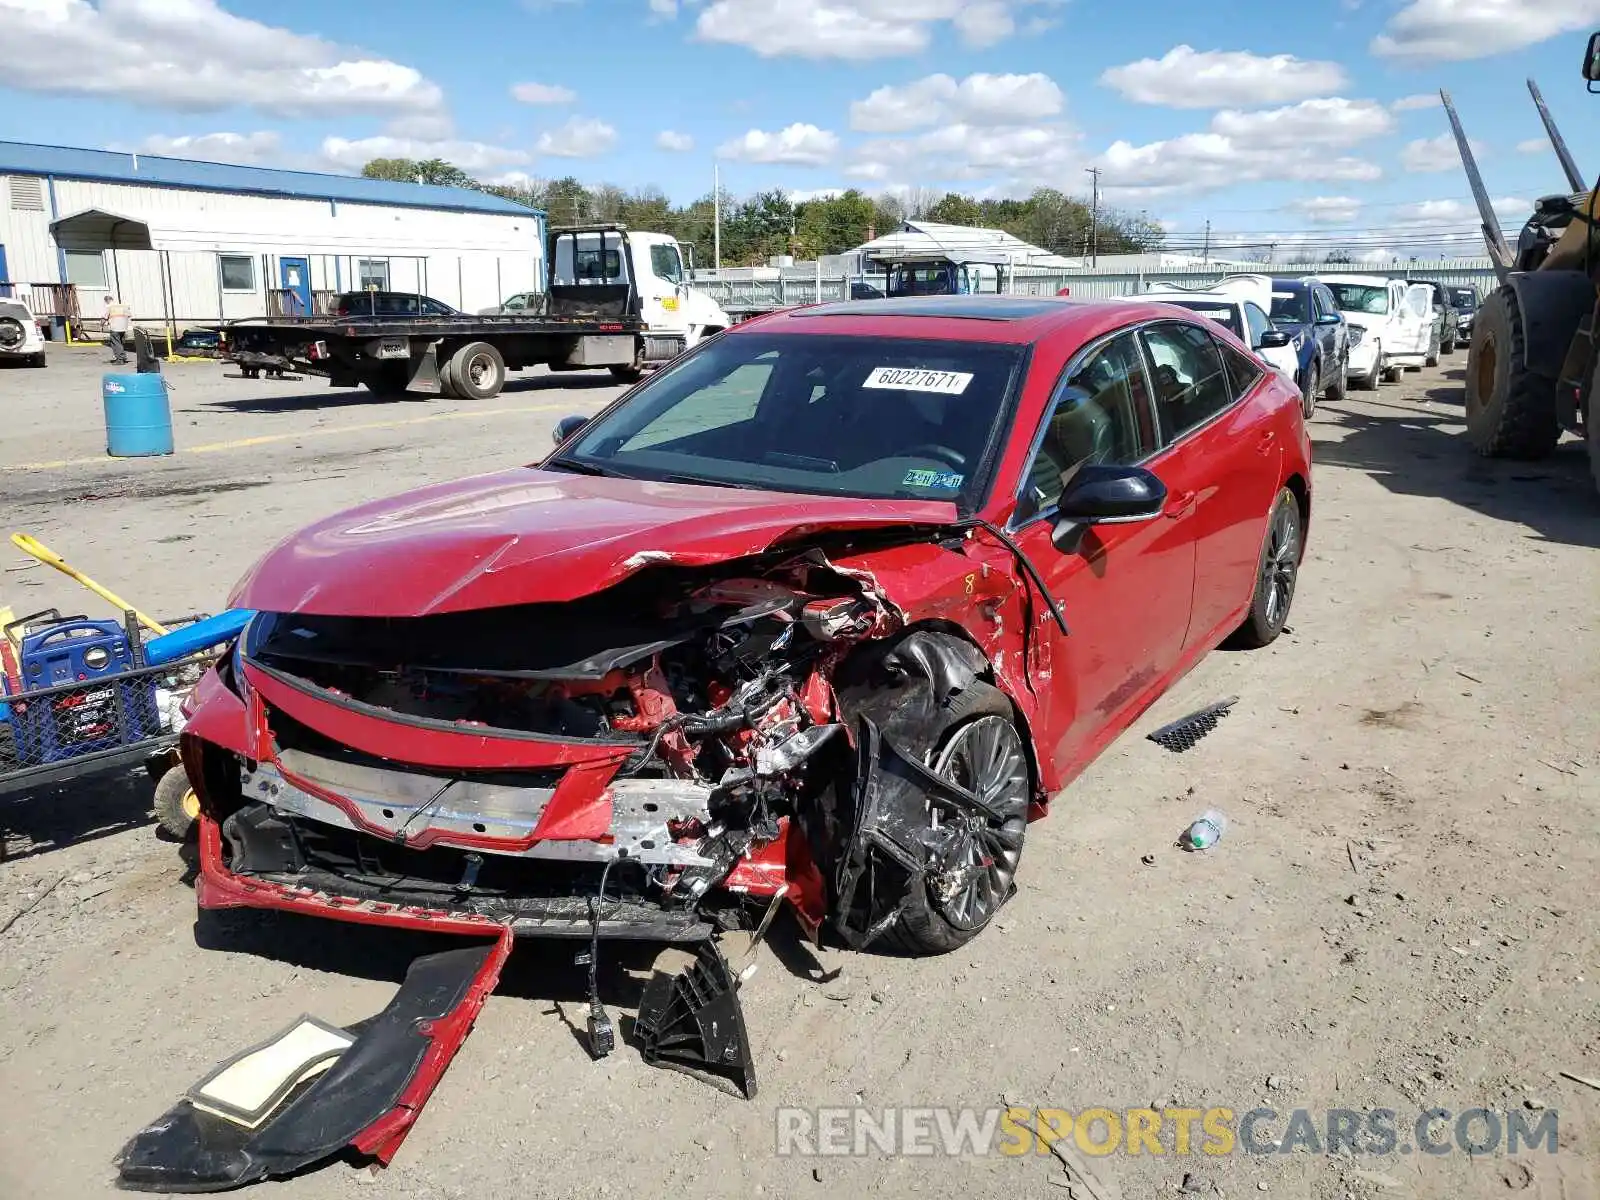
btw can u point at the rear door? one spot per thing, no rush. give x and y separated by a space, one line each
1221 455
1125 588
1419 307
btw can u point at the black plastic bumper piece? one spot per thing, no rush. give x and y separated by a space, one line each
188 1150
691 1022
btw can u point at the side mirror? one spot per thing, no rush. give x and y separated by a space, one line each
568 426
1591 59
1273 339
1330 319
1099 495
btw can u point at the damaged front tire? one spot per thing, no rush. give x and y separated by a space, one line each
972 857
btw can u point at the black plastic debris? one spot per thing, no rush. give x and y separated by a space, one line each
1183 733
690 1021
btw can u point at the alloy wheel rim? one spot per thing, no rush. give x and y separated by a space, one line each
975 859
1279 565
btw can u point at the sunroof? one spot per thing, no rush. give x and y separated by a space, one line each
972 308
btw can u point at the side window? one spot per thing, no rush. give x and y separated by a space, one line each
665 263
1101 415
1244 372
1256 324
1190 384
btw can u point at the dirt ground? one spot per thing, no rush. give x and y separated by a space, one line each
1398 915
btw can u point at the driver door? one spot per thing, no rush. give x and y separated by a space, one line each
1125 589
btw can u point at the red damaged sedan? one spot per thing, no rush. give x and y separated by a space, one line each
821 615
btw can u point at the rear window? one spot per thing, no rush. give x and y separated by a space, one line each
1465 298
1225 315
880 418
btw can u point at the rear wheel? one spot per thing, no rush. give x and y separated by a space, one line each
1511 410
37 360
447 379
1276 574
973 863
477 371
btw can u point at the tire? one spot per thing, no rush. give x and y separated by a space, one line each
176 805
1593 439
1277 571
1448 347
447 380
1392 374
1369 382
478 371
1431 359
1308 393
627 374
982 749
37 360
1339 388
1510 410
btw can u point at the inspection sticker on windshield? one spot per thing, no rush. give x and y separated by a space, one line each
943 481
915 379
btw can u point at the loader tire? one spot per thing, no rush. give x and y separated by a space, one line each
1511 410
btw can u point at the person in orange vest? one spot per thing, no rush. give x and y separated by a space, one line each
119 320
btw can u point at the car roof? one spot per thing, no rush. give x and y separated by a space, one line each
1378 280
1017 319
1179 296
1280 284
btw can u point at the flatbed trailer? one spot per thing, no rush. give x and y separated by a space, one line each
586 322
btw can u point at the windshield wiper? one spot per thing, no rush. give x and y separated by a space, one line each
578 467
704 482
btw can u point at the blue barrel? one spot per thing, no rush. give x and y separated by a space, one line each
138 417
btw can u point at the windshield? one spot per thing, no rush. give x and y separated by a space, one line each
879 418
1225 315
1361 297
1291 308
1466 298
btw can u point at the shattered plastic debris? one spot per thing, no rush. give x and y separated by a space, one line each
1183 733
690 1020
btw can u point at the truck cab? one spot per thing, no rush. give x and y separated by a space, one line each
652 264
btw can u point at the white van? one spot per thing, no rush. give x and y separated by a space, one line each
1391 325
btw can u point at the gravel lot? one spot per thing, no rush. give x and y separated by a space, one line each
1398 915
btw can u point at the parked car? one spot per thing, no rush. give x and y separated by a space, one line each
1304 308
1391 325
20 339
821 614
1466 306
390 304
1445 315
511 305
1245 318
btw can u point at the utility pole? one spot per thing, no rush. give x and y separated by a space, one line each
1205 255
1094 218
716 216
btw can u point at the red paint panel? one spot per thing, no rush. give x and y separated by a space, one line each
580 810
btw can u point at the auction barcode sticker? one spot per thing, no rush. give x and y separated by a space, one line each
916 379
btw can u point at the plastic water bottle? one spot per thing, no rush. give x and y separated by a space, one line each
1204 833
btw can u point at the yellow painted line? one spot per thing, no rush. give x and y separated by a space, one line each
301 435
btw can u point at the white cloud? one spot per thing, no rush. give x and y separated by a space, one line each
1188 78
581 137
191 56
1419 101
1295 143
1456 212
852 29
1533 146
1426 155
247 148
472 157
664 8
798 145
976 100
427 127
1453 30
678 143
963 152
802 196
1327 210
542 93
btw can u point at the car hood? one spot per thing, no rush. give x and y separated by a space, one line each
530 536
1364 320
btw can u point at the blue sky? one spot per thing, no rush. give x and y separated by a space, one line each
1310 122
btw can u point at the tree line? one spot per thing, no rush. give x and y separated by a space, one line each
760 227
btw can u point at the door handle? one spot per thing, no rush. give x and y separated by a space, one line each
1182 506
1264 442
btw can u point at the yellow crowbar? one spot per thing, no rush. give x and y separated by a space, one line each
32 546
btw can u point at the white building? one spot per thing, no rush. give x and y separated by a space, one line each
198 241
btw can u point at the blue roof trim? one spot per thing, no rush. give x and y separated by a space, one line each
64 162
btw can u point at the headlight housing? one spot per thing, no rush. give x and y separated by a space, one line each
1356 335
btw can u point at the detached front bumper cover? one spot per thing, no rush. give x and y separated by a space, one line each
365 1103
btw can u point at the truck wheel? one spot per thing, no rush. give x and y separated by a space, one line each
478 371
447 379
1511 411
176 804
627 374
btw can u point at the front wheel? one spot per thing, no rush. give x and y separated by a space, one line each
176 805
1308 393
972 860
1276 574
1339 385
